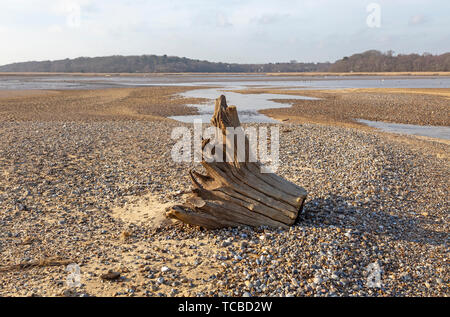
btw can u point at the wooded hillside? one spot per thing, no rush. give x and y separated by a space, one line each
370 61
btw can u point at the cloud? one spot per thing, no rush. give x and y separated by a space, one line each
229 31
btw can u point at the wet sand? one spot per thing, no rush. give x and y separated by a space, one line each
85 176
343 106
154 103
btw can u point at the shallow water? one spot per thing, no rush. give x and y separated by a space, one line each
14 82
248 105
243 117
428 131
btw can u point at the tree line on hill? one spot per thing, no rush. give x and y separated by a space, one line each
370 61
375 61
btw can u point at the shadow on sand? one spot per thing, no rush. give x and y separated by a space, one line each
338 212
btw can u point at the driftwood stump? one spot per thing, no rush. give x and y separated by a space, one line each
235 192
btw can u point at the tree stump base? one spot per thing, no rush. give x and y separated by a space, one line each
236 193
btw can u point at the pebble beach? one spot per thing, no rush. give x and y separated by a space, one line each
86 175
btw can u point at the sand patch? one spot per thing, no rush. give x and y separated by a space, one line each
191 265
26 93
143 210
444 92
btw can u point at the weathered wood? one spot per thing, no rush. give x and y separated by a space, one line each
236 193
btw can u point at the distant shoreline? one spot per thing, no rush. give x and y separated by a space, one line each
305 74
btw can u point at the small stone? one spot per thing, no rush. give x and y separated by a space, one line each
110 276
21 207
226 244
66 293
317 280
165 269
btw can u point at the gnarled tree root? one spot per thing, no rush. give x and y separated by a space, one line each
236 193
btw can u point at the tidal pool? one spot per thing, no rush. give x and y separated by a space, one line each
428 131
247 105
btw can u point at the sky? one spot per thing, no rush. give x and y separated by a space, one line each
241 31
